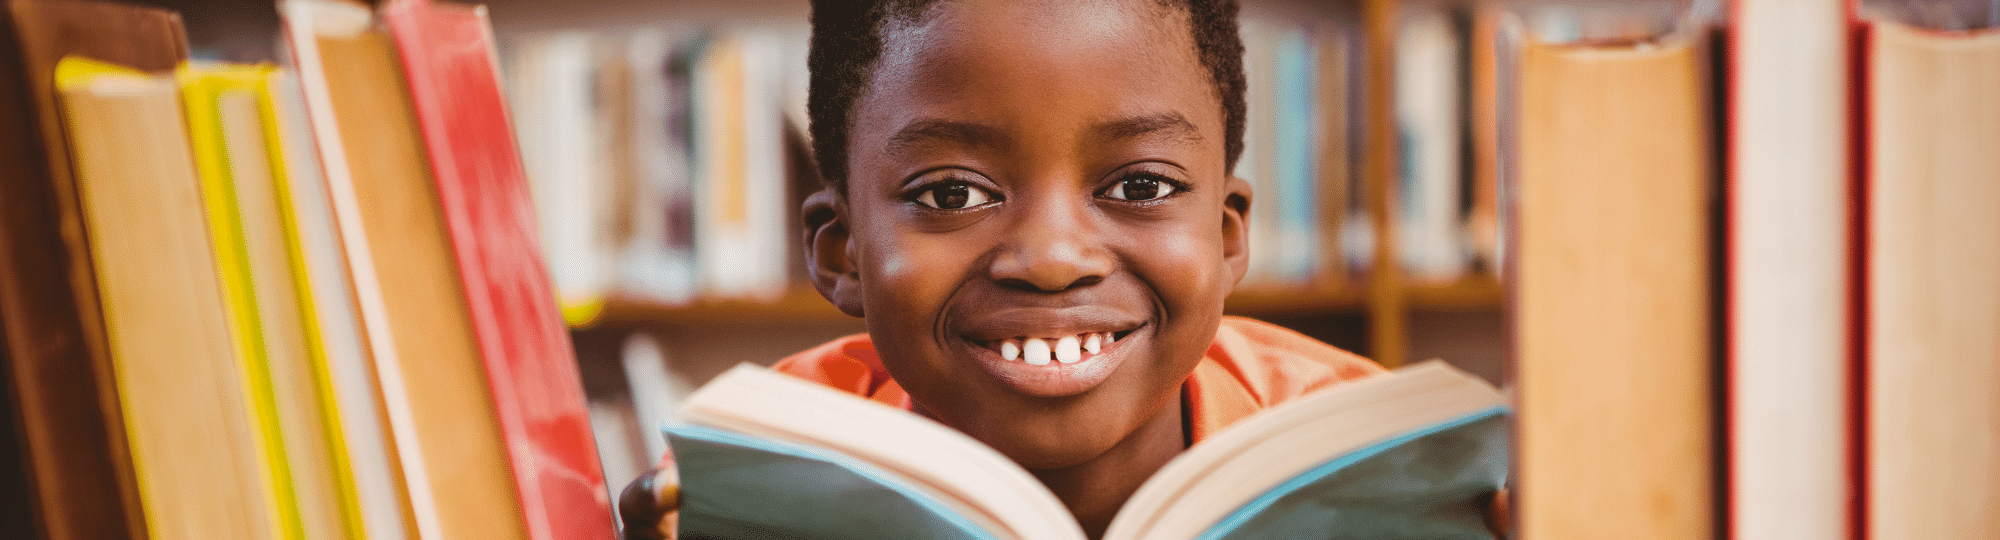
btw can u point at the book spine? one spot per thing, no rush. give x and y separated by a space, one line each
202 93
1787 260
448 57
77 452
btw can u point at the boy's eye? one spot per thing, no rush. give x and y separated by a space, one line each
1140 188
953 196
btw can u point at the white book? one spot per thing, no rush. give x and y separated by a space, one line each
1430 235
1789 254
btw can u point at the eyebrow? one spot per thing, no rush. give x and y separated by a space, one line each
1164 124
945 131
934 130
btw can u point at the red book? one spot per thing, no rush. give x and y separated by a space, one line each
448 56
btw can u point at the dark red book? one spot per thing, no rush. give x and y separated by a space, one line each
448 56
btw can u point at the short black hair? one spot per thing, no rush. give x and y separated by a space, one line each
847 42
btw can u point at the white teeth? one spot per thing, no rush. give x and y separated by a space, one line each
1110 338
1035 351
1066 350
1010 350
1093 342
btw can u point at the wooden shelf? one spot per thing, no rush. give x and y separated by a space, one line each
1471 292
1341 296
799 304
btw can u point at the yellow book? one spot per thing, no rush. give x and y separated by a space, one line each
214 99
232 124
193 442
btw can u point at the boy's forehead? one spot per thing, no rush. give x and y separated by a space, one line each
1117 67
951 25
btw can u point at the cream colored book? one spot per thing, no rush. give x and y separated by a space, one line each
1407 455
1933 283
189 423
1789 267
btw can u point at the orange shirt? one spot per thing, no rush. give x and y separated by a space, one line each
1251 366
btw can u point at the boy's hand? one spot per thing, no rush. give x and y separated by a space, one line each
1499 514
648 505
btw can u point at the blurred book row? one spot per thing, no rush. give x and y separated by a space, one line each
667 165
669 162
251 301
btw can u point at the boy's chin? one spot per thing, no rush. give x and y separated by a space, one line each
1060 439
1037 453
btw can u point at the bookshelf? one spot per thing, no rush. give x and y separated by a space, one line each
1380 291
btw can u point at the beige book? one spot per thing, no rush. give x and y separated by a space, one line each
187 419
1611 292
441 413
1933 290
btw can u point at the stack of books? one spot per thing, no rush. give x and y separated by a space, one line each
249 301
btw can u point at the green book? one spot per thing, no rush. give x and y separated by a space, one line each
1412 454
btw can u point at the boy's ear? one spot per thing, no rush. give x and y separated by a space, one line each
830 252
1236 227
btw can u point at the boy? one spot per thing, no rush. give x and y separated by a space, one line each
1030 204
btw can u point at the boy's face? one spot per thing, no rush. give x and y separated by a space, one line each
1035 171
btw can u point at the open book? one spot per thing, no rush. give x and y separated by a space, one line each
1412 454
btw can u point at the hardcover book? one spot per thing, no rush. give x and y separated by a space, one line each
1413 454
63 397
483 198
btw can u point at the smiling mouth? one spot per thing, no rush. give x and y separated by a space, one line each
1042 351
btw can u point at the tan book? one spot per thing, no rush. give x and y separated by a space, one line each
1932 302
441 414
365 465
188 420
1612 300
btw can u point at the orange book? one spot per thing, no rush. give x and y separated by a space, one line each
1611 295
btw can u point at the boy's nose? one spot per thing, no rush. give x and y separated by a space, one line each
1051 250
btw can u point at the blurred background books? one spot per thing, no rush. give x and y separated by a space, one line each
1737 255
